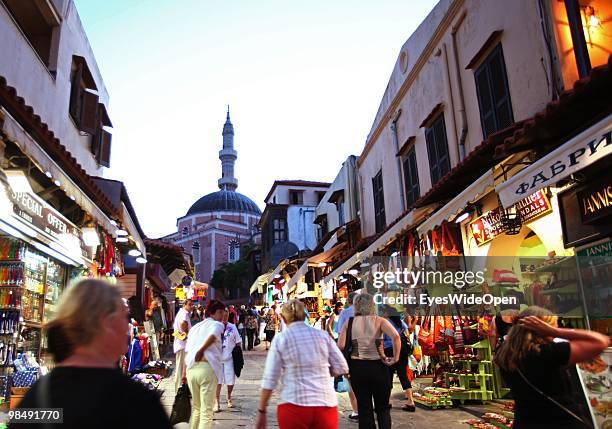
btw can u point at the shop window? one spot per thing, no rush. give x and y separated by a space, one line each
411 177
437 149
39 23
379 202
279 231
296 197
84 102
493 93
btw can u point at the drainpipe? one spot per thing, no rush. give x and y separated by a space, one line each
399 161
583 62
464 123
303 215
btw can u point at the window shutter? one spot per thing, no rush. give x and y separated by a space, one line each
76 94
442 147
411 177
96 144
493 93
431 155
501 94
105 148
487 114
89 113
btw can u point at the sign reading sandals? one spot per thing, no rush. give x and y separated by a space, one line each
577 153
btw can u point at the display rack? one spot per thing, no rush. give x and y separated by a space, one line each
434 398
473 377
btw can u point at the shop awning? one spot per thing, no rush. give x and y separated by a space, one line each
455 206
176 277
45 163
259 283
409 220
345 266
588 147
313 261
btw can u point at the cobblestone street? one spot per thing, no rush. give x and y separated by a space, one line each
246 397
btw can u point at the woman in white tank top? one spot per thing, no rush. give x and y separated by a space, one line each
368 367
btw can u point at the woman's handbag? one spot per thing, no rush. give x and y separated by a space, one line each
348 344
181 410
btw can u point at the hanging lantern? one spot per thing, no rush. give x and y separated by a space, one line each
510 219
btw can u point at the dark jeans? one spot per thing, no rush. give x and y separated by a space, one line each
251 338
242 333
400 368
370 381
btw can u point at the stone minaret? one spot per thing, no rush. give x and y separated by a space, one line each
228 157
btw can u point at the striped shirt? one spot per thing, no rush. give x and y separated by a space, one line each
303 359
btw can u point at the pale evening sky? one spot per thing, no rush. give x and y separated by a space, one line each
304 81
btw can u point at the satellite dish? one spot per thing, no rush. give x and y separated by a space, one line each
282 250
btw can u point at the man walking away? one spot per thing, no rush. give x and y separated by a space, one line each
182 325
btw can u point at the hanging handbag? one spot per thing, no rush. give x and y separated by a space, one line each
181 409
348 343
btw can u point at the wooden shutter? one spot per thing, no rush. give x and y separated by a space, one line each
105 148
411 177
441 147
499 90
379 202
76 92
89 113
493 93
431 155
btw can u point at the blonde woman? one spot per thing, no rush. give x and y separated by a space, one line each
534 360
369 372
304 360
87 337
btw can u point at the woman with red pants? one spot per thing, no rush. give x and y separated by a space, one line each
304 360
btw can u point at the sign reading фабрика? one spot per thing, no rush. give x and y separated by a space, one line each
577 153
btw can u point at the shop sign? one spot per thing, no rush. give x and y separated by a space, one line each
596 201
579 152
37 212
534 206
488 226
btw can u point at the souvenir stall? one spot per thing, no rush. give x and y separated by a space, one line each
41 252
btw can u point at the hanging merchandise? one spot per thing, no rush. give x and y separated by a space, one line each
109 258
459 344
484 325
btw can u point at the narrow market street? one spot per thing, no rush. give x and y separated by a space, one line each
419 189
246 398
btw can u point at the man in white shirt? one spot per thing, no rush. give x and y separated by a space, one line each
231 338
182 325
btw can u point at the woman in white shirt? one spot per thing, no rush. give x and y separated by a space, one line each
203 362
304 360
231 339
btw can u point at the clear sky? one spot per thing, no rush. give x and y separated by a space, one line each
303 78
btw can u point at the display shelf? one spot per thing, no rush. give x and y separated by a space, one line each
557 265
485 390
571 289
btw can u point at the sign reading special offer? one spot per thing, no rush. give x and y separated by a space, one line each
488 226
